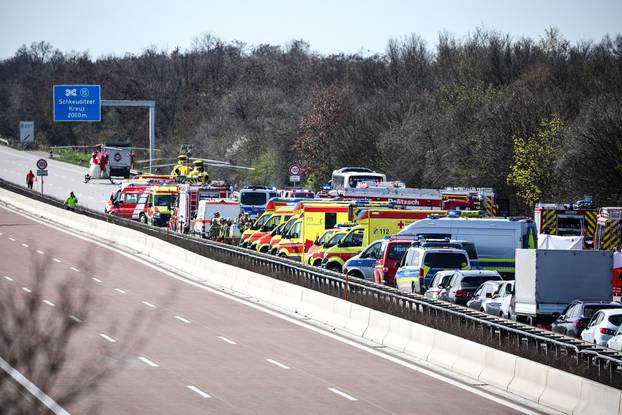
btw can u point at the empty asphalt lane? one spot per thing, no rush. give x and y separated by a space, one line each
222 356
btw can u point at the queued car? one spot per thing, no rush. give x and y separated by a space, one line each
463 284
603 326
362 265
483 293
438 287
500 302
576 316
616 341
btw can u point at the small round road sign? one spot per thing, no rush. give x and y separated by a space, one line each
42 164
294 170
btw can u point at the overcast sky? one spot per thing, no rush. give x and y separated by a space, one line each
349 26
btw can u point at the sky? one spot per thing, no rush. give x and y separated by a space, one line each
114 27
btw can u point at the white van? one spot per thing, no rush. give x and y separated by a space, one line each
496 239
202 223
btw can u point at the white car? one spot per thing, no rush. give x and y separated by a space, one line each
616 341
499 304
603 326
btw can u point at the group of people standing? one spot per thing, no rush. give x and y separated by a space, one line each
226 229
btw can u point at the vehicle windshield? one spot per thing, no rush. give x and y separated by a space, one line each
474 282
325 237
445 260
163 200
271 223
590 310
288 226
397 251
334 240
254 198
259 222
277 230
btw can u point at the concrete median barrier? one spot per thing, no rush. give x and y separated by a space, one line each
359 320
340 313
420 342
529 379
498 368
470 359
287 296
598 399
259 286
562 391
316 306
399 333
445 349
378 326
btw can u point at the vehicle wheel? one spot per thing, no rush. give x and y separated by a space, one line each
356 274
264 249
317 263
412 287
282 255
142 218
334 267
501 314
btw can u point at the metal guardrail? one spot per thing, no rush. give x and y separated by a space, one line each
572 355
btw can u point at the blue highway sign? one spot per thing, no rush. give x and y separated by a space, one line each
77 103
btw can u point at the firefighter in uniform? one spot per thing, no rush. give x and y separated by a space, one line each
216 228
182 168
198 173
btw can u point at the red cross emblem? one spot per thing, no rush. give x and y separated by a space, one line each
401 224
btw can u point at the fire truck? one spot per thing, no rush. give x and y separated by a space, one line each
187 203
566 220
395 193
470 198
608 236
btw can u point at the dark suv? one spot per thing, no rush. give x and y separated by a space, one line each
577 314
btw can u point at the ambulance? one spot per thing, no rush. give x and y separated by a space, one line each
128 202
263 234
314 218
159 206
372 224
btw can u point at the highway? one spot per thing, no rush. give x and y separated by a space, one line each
62 179
205 351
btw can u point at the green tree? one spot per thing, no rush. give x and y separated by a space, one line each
533 170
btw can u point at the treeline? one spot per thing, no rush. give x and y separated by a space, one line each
535 119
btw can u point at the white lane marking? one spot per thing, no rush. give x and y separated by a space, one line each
199 391
345 395
28 290
8 278
36 392
226 340
74 269
76 319
1 234
149 362
148 304
40 252
51 304
25 245
119 290
447 379
182 319
274 362
57 260
97 280
12 239
106 337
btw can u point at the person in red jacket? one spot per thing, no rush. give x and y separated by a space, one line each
30 179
